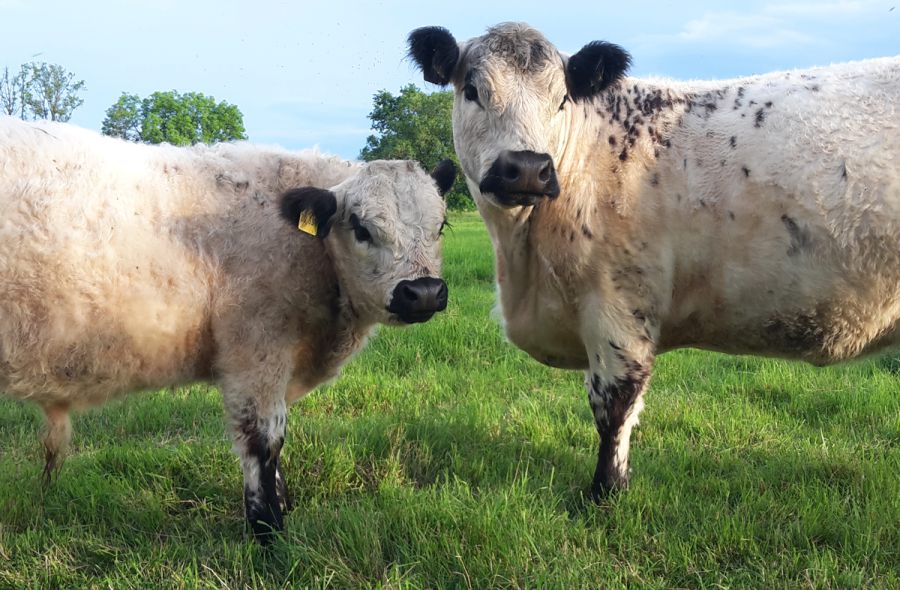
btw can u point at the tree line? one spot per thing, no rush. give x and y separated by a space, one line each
40 90
410 125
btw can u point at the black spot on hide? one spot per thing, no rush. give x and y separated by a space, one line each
800 238
759 118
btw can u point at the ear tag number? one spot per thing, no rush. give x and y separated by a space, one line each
307 223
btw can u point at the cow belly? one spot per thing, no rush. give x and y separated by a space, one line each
115 321
822 334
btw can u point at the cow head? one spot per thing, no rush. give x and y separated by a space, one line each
382 228
513 89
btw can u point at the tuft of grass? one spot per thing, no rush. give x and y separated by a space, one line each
445 458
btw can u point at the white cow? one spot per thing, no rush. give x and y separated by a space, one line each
126 267
630 216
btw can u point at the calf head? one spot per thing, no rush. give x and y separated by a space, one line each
513 88
382 228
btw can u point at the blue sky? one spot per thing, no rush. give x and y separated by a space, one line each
303 73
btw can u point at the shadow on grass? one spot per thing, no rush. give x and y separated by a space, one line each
150 491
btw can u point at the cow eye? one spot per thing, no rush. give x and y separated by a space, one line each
470 92
444 225
564 101
362 234
359 231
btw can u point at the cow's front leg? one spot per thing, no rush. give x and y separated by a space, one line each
284 495
615 384
258 415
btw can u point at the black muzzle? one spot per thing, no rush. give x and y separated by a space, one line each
417 301
521 178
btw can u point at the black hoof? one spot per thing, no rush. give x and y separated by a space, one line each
265 522
603 490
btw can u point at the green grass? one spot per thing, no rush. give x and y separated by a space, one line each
443 457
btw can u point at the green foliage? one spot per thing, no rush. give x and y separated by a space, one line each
123 119
179 119
40 91
416 126
444 457
12 92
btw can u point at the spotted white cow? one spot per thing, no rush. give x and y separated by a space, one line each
126 267
631 216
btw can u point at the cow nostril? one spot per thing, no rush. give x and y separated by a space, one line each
442 292
409 294
546 171
511 173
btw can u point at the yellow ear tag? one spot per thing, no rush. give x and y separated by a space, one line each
307 223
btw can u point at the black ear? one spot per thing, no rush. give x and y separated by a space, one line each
444 174
435 51
318 201
593 69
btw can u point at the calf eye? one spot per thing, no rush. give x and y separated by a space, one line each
444 225
470 92
359 231
564 101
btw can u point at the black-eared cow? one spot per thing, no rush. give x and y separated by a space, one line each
632 216
128 267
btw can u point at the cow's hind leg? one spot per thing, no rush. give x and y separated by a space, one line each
56 438
616 398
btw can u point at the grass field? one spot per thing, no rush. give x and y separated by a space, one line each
443 457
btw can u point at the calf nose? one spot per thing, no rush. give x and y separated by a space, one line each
516 176
418 300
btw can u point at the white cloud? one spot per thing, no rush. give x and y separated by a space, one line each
749 30
823 9
769 25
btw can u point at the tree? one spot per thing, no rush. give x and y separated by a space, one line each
179 119
40 91
12 93
123 119
416 126
51 92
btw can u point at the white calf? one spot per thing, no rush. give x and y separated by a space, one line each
127 267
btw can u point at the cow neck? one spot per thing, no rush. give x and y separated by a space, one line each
609 147
345 320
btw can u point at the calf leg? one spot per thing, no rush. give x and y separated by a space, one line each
56 438
258 433
284 495
257 412
615 393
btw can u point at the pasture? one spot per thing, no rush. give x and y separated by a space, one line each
444 457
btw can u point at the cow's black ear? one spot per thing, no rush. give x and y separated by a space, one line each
310 209
444 174
594 68
436 52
